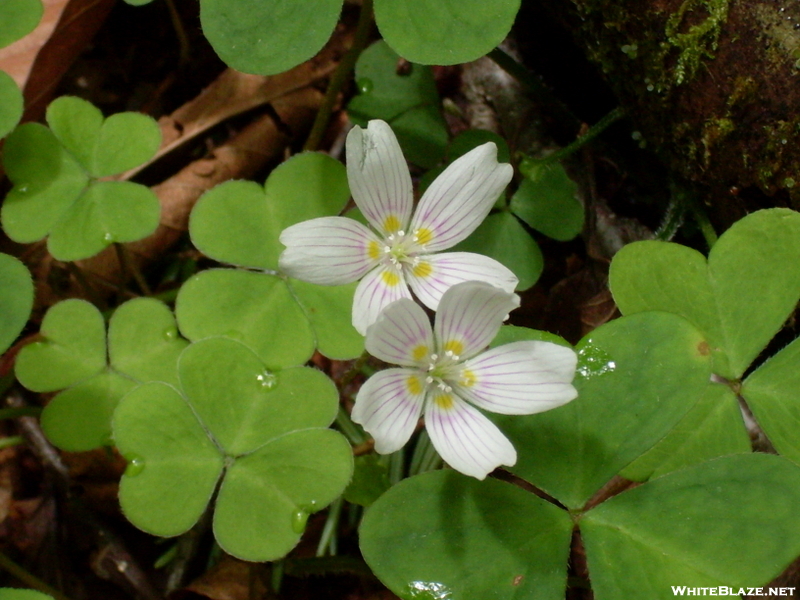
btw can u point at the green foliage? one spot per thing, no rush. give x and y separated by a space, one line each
444 32
16 299
637 377
730 521
280 319
739 298
476 539
268 36
546 202
501 237
19 594
370 480
55 173
143 345
261 433
407 100
10 104
18 18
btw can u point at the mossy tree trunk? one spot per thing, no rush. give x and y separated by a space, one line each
713 85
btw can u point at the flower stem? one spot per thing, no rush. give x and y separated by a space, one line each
327 541
528 165
340 76
20 411
27 578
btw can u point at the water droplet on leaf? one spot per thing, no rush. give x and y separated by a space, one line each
299 520
135 466
267 380
365 85
22 189
425 590
594 361
107 237
170 333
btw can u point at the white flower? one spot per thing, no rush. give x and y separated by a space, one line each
446 377
401 251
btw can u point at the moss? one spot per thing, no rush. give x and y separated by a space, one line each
698 41
714 132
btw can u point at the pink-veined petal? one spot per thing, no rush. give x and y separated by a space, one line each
469 316
464 438
460 198
329 250
388 406
402 335
379 288
434 274
521 378
379 177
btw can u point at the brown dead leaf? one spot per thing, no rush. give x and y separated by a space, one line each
234 93
38 61
228 580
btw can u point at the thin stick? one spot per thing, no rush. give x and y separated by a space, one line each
27 578
129 268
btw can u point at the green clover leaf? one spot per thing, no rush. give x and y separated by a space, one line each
55 173
11 104
16 299
143 346
739 298
409 102
259 435
18 18
281 319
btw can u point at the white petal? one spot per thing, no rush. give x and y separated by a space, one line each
465 439
388 406
469 316
379 288
434 274
521 378
402 335
460 198
379 177
329 250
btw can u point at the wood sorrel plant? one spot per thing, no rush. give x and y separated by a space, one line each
216 411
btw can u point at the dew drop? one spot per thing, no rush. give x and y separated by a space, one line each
299 520
170 333
789 182
135 466
365 85
650 87
22 189
428 590
594 361
267 380
107 237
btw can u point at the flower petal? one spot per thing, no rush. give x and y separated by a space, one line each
460 198
329 250
469 316
521 378
379 177
379 288
402 335
464 438
388 406
434 274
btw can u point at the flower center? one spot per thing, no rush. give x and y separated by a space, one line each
441 369
401 248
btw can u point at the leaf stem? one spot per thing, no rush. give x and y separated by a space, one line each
14 440
20 411
327 541
129 268
528 165
340 76
27 578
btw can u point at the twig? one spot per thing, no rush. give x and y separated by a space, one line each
339 77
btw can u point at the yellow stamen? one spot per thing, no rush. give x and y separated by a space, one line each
468 378
390 278
423 236
414 385
391 224
374 250
419 352
444 401
454 346
423 269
